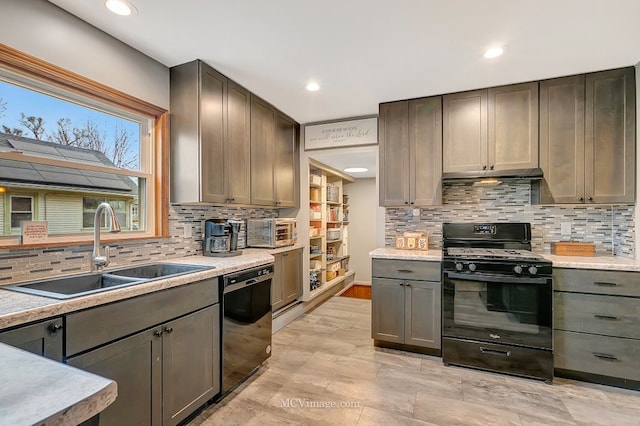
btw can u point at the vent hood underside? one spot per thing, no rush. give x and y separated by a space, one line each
521 174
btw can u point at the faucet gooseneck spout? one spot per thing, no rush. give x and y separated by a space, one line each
99 260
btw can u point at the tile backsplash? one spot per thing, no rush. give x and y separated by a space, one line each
610 227
25 264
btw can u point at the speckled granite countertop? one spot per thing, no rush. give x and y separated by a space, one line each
37 390
614 263
19 308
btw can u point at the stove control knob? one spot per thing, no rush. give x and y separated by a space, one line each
533 270
517 269
459 266
472 267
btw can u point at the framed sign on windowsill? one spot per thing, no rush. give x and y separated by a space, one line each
340 134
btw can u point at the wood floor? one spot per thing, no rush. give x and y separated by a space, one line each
325 370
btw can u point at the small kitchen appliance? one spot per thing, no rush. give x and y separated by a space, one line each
271 232
497 300
221 237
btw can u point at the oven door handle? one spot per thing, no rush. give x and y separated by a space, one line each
496 278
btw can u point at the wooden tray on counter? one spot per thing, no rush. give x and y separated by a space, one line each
569 248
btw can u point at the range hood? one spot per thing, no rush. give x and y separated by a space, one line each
511 174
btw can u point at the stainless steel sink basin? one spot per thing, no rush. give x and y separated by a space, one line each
157 270
82 285
73 286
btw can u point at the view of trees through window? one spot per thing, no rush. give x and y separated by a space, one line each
78 137
30 114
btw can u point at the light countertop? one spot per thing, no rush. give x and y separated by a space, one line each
37 390
615 263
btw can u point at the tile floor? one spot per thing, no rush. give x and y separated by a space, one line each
325 370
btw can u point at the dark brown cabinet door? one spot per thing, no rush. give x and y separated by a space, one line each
394 153
513 126
610 136
237 171
292 283
277 283
388 310
190 363
212 134
44 338
285 162
263 122
562 140
464 132
425 141
135 364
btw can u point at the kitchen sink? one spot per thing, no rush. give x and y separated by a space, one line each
156 270
82 285
73 286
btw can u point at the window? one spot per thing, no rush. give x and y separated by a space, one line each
21 209
75 143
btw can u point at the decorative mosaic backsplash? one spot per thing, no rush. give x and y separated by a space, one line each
25 264
611 228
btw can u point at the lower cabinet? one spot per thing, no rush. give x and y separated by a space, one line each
43 338
406 309
286 285
597 326
166 369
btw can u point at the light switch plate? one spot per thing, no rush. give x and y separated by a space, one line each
187 231
416 212
565 229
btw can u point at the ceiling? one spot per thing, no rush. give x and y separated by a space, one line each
363 52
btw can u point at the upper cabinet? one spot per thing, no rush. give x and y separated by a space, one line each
491 129
273 156
587 138
410 145
228 146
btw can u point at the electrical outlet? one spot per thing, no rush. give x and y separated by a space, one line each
416 212
187 231
565 229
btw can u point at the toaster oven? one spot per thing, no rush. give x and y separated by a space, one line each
271 233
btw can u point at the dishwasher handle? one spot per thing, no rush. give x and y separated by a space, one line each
246 278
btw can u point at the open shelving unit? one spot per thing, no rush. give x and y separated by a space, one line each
328 231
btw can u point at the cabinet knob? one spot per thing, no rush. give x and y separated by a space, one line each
491 168
412 203
54 328
484 167
581 199
169 330
157 333
406 202
590 198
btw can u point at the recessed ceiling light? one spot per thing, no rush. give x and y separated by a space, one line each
494 52
120 7
313 86
356 169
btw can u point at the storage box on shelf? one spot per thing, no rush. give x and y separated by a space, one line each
327 228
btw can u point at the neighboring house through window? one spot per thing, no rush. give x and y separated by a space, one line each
74 144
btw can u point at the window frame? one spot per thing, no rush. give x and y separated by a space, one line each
157 182
13 229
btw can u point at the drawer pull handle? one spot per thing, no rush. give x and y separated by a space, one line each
606 317
494 351
605 284
605 356
407 271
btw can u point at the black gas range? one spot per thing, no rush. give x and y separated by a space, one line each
497 300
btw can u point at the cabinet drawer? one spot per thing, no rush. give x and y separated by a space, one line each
406 269
608 356
594 313
600 282
103 324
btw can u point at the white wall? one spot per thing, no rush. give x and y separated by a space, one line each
43 30
363 202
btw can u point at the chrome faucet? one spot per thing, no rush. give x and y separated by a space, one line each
98 260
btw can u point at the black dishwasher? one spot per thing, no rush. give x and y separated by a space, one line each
246 324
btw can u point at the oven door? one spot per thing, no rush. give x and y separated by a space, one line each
498 309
